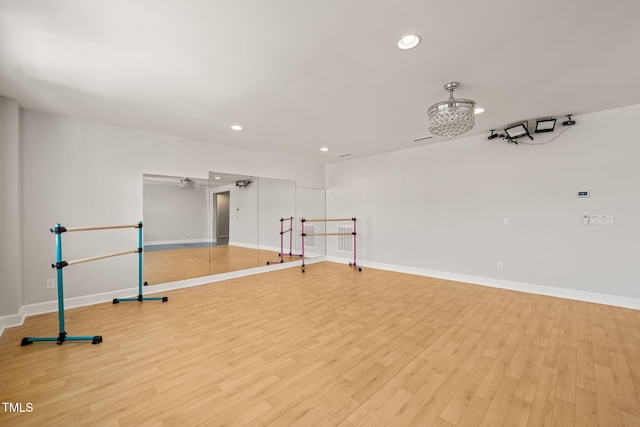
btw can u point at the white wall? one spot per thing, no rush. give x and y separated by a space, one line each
276 200
81 173
311 204
10 203
440 207
175 215
243 215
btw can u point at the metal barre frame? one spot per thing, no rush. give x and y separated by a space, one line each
107 227
354 233
60 264
328 234
328 220
79 261
282 233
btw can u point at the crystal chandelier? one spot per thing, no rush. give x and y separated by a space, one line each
452 117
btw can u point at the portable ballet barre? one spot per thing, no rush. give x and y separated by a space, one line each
353 233
282 233
60 264
140 298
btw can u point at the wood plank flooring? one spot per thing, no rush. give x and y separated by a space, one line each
179 264
332 347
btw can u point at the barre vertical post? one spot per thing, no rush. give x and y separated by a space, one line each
140 298
355 233
62 334
140 249
61 328
354 242
302 221
281 254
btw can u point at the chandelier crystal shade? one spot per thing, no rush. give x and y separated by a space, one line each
452 117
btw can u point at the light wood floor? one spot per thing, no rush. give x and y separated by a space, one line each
178 264
332 346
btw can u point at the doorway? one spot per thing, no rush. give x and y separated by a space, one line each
221 219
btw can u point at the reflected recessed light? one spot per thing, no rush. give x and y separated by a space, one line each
216 177
409 41
478 110
236 127
324 149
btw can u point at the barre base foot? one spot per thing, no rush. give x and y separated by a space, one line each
140 298
62 338
355 266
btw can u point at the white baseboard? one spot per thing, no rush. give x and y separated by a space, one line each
52 306
573 294
244 245
11 320
176 242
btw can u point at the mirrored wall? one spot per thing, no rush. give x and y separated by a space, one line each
196 227
234 222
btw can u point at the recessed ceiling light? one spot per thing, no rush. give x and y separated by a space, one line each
324 149
478 110
236 127
409 41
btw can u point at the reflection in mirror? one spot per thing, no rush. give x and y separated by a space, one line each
229 222
234 222
310 204
277 209
175 228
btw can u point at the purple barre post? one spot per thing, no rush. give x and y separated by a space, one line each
354 242
302 221
281 255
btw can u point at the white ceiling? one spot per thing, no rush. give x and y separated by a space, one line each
302 74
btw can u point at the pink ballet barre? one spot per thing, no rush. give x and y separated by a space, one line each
353 233
289 230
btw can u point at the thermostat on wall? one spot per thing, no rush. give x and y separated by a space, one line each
583 193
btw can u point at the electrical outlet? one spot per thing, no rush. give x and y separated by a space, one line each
500 265
51 283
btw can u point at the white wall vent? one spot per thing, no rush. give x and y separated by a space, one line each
345 241
309 241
